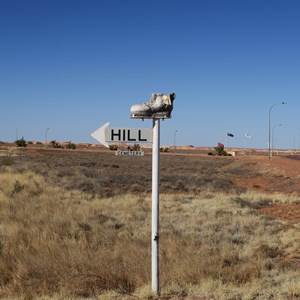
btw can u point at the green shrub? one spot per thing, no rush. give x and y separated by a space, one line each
21 143
113 147
136 147
220 150
56 145
18 187
71 146
164 149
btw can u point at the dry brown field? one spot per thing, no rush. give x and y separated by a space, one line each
75 224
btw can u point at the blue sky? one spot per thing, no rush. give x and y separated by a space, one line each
73 65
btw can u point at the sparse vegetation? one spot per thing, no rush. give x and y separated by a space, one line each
21 142
136 147
71 146
113 147
220 150
56 144
7 157
78 226
18 187
164 149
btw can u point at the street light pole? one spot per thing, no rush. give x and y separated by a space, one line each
175 139
270 110
46 137
273 137
295 141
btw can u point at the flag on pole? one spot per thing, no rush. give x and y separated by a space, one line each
230 134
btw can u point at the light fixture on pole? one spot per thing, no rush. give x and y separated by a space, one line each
270 142
247 136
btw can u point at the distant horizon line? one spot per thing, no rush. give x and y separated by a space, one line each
147 146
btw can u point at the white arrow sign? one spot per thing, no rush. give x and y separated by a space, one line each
105 134
99 135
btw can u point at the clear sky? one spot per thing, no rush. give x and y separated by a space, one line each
73 65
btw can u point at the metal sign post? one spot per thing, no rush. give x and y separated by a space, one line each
159 107
155 205
106 135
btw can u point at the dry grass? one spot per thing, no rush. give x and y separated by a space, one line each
69 244
58 242
107 175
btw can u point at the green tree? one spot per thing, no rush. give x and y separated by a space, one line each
21 143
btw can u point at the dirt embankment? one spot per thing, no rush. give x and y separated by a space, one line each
278 175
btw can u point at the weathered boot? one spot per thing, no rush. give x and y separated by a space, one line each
160 106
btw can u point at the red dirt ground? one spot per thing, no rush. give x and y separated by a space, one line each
283 168
288 170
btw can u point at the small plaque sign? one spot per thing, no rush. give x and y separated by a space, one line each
129 153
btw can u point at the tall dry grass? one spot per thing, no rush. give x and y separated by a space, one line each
65 244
